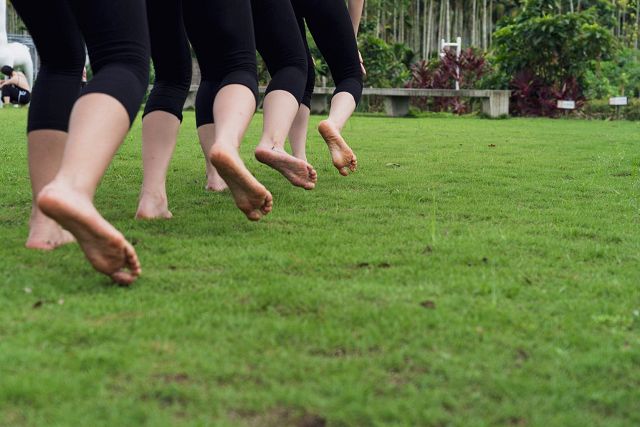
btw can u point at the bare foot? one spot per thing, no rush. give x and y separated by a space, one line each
46 234
251 197
343 158
103 245
298 172
215 183
153 206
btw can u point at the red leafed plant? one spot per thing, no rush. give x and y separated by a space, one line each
444 73
530 95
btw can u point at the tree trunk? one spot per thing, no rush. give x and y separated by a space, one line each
474 23
484 24
428 29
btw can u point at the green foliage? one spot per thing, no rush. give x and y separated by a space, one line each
387 65
552 46
620 76
600 109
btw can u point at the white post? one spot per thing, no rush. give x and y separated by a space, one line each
3 23
458 47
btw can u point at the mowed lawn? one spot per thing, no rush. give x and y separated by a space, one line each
472 273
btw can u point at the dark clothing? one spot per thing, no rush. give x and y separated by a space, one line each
331 27
280 44
117 39
171 57
221 33
16 95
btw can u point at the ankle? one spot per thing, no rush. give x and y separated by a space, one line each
159 194
39 218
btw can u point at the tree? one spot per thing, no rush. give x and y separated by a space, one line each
548 53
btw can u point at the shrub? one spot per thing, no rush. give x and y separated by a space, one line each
443 73
384 62
616 77
548 54
600 109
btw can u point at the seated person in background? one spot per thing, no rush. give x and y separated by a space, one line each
15 89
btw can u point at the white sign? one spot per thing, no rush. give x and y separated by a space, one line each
618 101
566 105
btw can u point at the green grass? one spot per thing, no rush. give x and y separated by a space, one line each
472 273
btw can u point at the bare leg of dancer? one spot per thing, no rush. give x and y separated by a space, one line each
159 136
233 109
342 107
207 136
280 110
45 155
298 133
98 125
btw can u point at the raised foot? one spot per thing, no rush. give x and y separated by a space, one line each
250 196
103 245
153 207
343 157
46 235
298 172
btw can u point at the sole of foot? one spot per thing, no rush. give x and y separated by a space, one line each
105 247
47 235
298 172
250 196
341 154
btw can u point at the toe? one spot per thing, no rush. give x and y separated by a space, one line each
124 278
254 216
131 260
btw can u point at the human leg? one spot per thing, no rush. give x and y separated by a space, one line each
332 30
279 41
232 63
54 94
99 121
163 112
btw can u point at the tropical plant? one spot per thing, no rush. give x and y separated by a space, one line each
549 54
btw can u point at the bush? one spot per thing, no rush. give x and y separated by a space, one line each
443 73
616 77
385 63
549 54
599 109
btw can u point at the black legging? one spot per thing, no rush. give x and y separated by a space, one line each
221 33
280 44
332 30
171 57
117 39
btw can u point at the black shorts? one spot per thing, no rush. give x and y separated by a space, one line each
16 95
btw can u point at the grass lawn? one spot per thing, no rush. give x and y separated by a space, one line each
472 273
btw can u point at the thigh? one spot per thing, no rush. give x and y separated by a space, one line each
221 33
11 92
331 27
114 31
169 44
54 30
278 36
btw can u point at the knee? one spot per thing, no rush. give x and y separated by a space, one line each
70 64
177 77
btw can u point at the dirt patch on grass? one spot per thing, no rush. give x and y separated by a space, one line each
279 417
